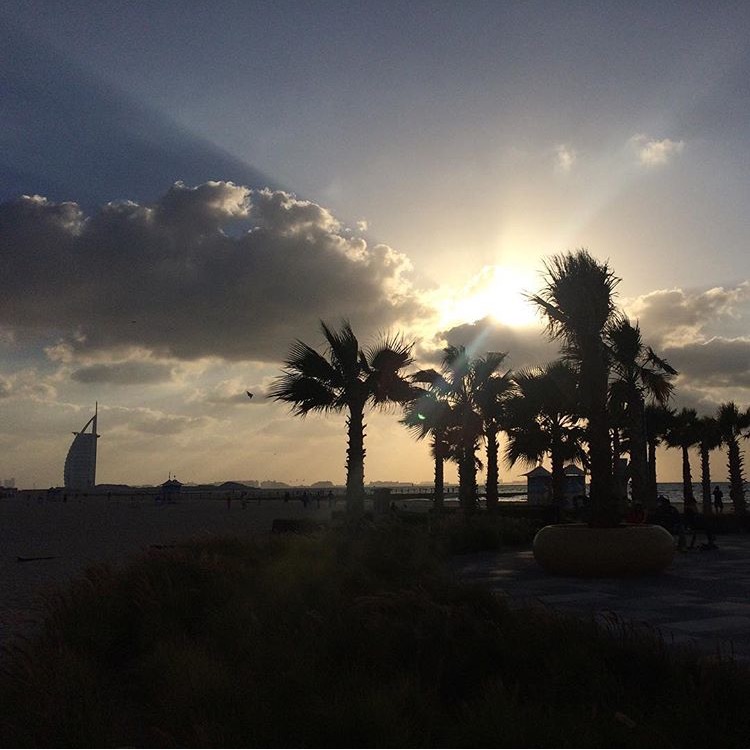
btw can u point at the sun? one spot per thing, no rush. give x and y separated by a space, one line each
497 292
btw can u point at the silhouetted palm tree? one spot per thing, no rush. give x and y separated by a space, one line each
578 303
491 390
542 419
637 375
468 386
620 444
684 433
710 438
347 379
658 419
732 426
431 415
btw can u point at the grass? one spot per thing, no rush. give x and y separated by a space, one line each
348 638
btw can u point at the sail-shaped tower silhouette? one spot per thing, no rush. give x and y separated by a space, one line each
80 464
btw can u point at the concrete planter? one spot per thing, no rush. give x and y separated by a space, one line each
580 550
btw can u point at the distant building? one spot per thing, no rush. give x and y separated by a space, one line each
80 464
171 490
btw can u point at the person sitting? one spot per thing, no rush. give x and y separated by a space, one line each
695 522
668 517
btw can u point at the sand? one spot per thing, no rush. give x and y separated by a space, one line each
88 531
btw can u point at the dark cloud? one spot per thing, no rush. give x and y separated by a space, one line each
124 373
166 277
716 363
526 347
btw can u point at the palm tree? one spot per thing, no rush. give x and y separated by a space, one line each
732 423
346 380
491 391
542 419
430 415
578 303
658 419
684 433
710 438
472 388
638 375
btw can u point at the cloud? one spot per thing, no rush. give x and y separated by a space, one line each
526 347
124 373
652 153
673 317
565 158
692 330
170 278
26 384
716 363
232 391
121 419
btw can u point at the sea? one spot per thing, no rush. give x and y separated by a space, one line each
514 493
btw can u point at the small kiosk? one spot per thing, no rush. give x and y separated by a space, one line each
539 486
575 486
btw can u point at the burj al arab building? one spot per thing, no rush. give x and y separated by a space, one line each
80 464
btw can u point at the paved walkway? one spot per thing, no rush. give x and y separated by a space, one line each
702 599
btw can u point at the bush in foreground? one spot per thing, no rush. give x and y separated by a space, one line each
347 639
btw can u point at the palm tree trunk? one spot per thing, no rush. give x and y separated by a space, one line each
603 505
653 491
439 495
638 457
467 479
736 480
706 479
687 477
558 471
615 449
355 461
493 474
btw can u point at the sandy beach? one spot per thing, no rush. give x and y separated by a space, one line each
82 532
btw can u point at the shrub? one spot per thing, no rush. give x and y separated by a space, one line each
458 535
354 638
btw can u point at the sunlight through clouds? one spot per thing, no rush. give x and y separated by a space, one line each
496 292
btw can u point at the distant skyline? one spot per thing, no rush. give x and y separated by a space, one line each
207 183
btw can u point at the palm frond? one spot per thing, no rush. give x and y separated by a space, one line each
304 360
662 364
389 355
527 445
657 385
305 394
343 348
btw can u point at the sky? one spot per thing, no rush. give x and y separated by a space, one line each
186 189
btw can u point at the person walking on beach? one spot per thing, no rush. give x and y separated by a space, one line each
718 499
